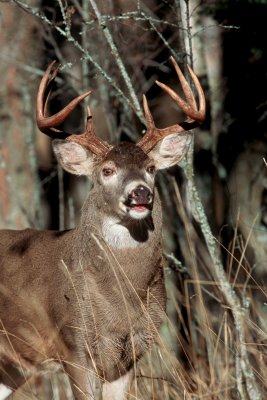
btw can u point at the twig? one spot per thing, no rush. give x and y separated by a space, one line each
175 264
86 55
118 60
133 16
239 313
165 42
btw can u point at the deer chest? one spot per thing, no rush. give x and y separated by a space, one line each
127 329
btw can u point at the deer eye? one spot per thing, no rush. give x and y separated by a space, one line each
108 171
151 169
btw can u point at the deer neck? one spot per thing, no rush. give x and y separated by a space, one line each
109 249
118 233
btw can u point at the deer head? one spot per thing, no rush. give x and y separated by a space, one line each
127 169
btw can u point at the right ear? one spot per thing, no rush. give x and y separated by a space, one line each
73 157
170 150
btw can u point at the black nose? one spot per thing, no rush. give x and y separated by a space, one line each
141 195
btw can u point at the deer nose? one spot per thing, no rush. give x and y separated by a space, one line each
141 195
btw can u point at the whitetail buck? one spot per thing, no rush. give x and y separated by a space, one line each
92 298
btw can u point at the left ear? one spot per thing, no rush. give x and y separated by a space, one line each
73 157
170 150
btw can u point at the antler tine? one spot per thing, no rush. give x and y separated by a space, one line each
185 85
40 103
89 140
201 95
149 118
195 114
190 107
48 124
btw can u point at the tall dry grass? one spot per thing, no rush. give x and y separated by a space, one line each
207 362
203 359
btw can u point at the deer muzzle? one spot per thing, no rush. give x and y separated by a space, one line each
140 199
140 195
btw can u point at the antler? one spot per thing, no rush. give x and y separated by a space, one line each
47 125
195 114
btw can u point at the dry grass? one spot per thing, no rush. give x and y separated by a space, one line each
204 364
197 355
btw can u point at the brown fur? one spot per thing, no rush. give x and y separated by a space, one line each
72 298
93 298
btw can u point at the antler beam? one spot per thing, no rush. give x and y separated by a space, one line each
195 114
49 124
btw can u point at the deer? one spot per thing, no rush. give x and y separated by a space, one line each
92 299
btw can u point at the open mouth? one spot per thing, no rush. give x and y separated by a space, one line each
139 207
138 202
138 211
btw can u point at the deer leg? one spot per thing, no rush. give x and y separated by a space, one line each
118 389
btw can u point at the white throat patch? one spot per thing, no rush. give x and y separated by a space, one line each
117 235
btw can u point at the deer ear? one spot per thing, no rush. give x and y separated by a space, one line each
170 150
73 157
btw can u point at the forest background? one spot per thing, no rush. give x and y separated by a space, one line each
215 204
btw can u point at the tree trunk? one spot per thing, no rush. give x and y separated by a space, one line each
19 194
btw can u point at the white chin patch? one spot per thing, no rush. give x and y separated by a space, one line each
138 212
4 392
